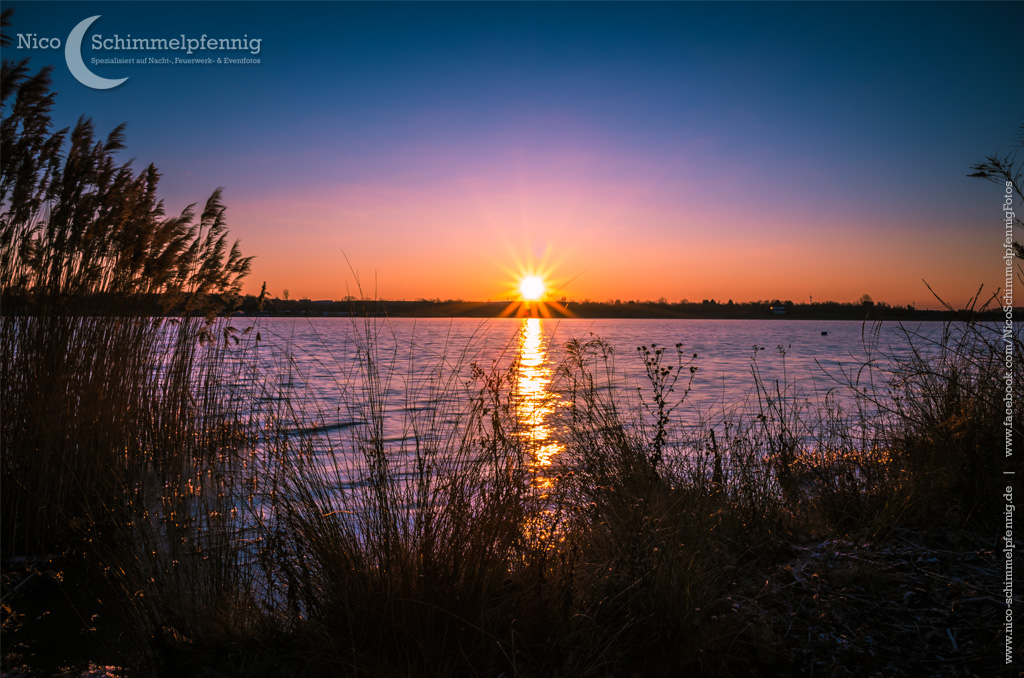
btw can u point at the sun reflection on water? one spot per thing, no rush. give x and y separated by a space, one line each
534 402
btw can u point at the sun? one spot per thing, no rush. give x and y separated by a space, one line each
531 291
532 288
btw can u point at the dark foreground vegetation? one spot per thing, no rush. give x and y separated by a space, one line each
161 515
165 523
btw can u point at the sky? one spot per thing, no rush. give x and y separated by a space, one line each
678 150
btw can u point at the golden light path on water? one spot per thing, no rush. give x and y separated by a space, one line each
534 403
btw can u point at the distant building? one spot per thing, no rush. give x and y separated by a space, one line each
779 310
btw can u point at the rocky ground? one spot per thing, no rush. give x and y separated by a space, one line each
52 624
916 604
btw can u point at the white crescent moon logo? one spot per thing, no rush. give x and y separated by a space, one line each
73 55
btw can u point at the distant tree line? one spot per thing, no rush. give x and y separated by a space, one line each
254 305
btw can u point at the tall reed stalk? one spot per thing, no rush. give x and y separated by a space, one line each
98 392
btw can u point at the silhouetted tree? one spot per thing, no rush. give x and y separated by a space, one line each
1003 169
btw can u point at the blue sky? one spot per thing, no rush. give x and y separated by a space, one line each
638 150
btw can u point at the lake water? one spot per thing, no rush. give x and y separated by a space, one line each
421 370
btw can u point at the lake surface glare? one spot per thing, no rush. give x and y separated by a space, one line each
416 376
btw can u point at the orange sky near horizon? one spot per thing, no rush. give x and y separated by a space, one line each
575 239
